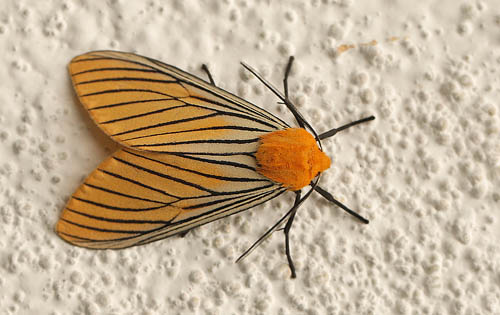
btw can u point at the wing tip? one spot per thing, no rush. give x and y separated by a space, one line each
89 54
66 231
63 230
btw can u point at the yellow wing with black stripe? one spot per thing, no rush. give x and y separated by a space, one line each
147 105
188 157
137 197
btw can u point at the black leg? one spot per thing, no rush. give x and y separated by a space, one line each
183 233
287 228
287 73
289 217
210 78
331 133
330 198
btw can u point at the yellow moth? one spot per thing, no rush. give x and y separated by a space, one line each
191 153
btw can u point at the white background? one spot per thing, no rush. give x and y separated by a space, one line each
426 172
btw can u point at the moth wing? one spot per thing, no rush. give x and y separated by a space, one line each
148 105
137 197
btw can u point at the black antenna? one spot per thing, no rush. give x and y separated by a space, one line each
284 98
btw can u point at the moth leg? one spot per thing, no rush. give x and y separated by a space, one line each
275 227
210 78
332 132
330 198
286 230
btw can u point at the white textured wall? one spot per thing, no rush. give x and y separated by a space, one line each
426 172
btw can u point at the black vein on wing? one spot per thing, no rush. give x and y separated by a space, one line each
143 114
185 105
212 161
123 90
175 179
210 216
114 69
173 122
204 141
175 80
238 202
186 78
132 102
130 79
110 207
138 183
114 192
241 128
118 220
235 100
208 175
172 229
250 154
94 228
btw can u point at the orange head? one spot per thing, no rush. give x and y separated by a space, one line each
290 157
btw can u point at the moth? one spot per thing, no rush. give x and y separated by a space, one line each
191 153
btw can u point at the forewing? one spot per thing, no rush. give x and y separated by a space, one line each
136 197
148 105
